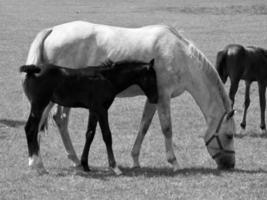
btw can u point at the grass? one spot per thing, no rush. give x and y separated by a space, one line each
211 25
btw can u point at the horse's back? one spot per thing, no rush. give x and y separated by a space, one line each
77 44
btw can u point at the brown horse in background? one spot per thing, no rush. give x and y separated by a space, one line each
248 64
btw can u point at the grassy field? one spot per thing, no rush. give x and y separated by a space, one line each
211 25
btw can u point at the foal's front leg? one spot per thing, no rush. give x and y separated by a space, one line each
107 137
90 133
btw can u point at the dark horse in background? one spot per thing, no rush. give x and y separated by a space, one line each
248 64
93 88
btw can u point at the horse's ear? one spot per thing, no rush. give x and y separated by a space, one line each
230 114
151 63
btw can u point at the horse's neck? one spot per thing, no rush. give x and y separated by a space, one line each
210 97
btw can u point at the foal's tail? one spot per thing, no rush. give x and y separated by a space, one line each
221 64
30 69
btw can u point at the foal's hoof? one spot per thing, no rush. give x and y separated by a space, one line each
85 167
242 131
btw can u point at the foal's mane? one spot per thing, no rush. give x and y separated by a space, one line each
110 64
206 66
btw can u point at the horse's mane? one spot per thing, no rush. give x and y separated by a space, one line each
206 66
209 70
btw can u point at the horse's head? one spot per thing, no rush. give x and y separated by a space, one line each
148 82
220 144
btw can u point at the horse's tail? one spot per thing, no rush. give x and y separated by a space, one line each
35 55
221 64
30 69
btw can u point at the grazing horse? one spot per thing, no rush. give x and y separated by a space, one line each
179 67
93 88
244 63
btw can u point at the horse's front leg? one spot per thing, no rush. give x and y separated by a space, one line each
246 105
148 113
107 137
62 119
262 89
90 133
164 113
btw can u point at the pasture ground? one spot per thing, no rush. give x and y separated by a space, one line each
211 25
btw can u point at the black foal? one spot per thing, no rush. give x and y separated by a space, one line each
244 63
93 87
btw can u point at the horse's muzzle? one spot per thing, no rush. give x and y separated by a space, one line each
225 161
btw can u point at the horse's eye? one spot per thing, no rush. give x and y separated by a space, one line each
230 136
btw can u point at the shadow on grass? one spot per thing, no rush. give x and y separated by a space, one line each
12 123
252 134
103 173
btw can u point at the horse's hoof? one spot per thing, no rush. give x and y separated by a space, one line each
176 167
74 159
116 170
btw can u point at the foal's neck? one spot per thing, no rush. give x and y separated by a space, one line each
123 78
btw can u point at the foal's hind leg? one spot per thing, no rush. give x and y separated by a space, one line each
148 113
31 129
233 90
262 89
246 105
62 118
107 137
90 133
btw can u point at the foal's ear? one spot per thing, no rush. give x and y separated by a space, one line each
151 63
230 114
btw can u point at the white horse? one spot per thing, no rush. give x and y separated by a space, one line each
179 66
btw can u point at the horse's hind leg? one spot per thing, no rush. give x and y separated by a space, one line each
148 113
90 133
246 105
164 113
262 89
107 137
62 118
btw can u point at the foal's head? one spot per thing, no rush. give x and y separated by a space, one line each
143 75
